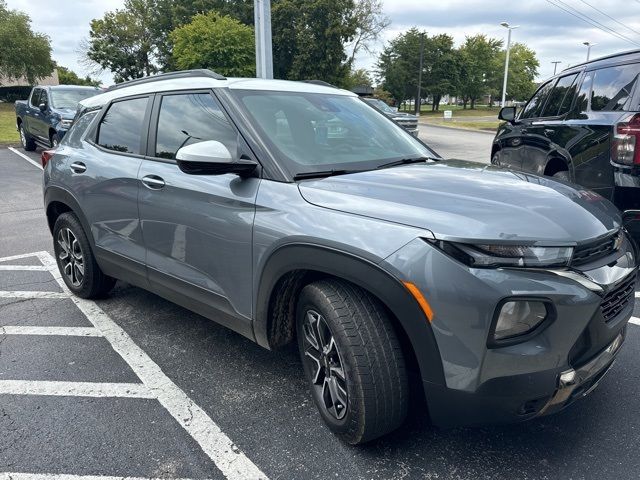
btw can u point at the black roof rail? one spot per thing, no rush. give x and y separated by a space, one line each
200 72
320 82
606 57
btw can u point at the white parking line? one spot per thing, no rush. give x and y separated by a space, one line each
74 389
635 320
61 331
19 257
56 476
214 442
20 154
24 268
32 294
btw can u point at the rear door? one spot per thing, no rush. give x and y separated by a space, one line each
105 183
603 98
197 228
548 134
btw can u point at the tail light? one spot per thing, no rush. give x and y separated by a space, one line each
625 146
46 156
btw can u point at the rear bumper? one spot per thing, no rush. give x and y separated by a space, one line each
522 397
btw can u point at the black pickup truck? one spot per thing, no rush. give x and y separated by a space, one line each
46 116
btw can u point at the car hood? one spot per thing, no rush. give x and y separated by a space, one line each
66 113
467 201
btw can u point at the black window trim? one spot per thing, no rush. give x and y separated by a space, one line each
92 136
36 89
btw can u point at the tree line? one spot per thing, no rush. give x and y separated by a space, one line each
470 72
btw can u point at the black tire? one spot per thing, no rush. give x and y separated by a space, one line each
27 142
370 358
92 283
495 159
54 140
562 175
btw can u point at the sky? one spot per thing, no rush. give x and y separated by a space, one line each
554 34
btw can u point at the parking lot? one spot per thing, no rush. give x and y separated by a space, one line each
133 386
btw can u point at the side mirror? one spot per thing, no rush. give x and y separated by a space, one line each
508 114
42 107
211 158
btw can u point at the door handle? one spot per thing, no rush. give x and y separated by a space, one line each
78 167
153 182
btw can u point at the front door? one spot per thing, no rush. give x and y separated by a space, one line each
197 228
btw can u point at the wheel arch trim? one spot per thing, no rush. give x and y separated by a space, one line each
363 273
57 194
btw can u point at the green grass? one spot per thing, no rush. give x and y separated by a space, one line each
479 111
490 126
8 133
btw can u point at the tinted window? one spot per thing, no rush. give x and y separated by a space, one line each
78 128
534 107
612 87
191 118
563 89
35 97
70 98
583 94
121 127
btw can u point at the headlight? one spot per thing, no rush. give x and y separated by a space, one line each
507 255
66 122
517 318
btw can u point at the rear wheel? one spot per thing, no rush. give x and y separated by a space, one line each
55 140
75 259
352 359
562 175
27 142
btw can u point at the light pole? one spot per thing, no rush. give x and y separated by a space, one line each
555 66
418 103
264 56
589 45
506 61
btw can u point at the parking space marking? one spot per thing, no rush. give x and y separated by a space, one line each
634 320
20 154
55 476
32 294
62 331
232 462
75 389
25 268
19 257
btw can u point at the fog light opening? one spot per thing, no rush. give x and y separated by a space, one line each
516 318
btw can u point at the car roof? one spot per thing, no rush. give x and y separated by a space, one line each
68 87
154 85
614 59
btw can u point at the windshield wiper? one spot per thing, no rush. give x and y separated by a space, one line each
322 174
403 161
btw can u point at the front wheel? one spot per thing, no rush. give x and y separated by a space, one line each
562 175
55 140
352 359
76 262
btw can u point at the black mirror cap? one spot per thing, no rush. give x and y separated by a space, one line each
243 168
508 114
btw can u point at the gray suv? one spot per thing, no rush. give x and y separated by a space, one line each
294 212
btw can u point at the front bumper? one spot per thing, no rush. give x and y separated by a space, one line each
515 382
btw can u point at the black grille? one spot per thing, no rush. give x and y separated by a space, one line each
617 299
595 250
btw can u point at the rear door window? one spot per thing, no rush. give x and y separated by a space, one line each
561 95
534 108
191 118
122 126
612 87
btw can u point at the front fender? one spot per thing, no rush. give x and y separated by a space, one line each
362 272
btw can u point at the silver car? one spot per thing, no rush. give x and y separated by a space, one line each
295 212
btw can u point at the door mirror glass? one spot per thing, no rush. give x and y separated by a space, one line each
507 114
211 158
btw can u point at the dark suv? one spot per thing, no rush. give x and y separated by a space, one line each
583 126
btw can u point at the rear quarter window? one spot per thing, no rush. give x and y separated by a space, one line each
74 135
612 87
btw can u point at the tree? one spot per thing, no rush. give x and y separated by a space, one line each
358 78
309 38
123 41
523 69
478 67
69 77
217 42
23 53
370 23
398 65
441 65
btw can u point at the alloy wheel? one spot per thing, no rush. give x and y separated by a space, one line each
325 365
23 138
71 257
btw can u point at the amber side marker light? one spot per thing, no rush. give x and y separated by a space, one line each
417 294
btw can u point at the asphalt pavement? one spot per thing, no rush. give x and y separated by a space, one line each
135 386
458 143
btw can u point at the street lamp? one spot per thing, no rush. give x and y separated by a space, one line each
589 45
506 62
555 66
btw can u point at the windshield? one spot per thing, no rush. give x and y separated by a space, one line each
70 98
313 132
380 104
